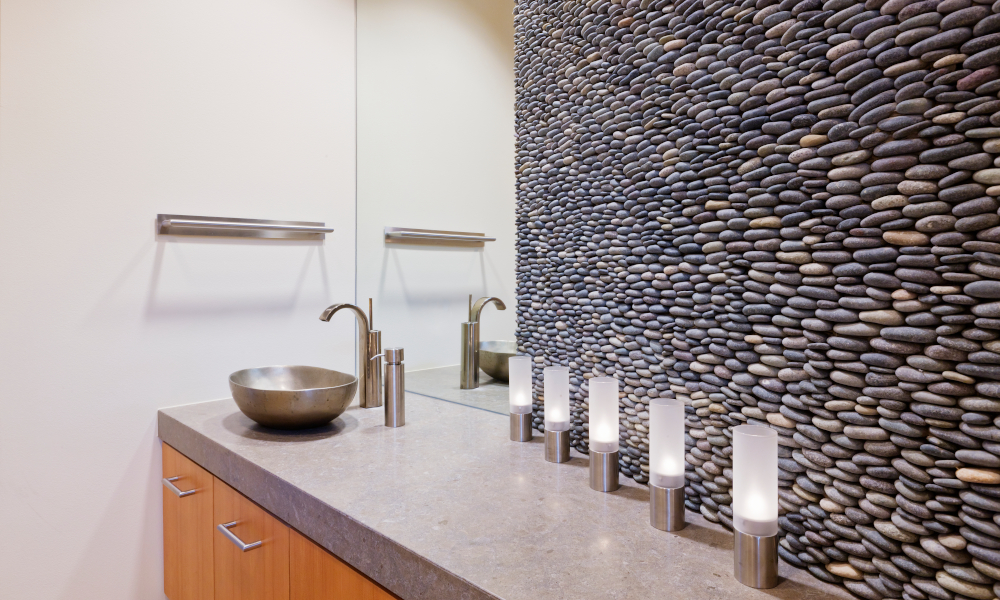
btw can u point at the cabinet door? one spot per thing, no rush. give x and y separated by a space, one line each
318 575
187 528
251 561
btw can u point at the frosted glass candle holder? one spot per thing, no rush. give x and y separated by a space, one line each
603 408
666 442
755 506
604 414
556 387
755 480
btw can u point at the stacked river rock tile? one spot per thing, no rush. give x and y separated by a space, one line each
784 213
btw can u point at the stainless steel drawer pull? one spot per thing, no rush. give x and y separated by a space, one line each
168 482
224 528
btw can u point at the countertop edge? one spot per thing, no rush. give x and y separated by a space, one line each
391 565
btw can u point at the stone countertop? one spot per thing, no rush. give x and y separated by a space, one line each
448 508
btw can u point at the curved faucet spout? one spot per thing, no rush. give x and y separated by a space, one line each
477 308
360 314
369 381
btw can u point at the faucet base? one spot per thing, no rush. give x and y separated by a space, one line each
557 446
469 363
520 427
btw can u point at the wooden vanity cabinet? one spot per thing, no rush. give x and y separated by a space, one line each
200 562
188 521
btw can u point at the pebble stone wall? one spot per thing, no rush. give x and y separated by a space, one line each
784 213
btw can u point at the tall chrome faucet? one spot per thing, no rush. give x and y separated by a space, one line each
470 342
369 354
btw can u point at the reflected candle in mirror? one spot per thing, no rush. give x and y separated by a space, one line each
519 368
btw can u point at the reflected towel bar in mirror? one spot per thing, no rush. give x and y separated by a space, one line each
230 227
429 236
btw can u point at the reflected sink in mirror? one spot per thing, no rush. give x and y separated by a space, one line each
493 358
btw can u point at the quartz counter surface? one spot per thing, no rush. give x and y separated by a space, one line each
447 508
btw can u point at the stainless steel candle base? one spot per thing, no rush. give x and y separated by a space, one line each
520 427
756 560
666 508
603 471
557 446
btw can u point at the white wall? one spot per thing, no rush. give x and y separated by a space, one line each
435 151
112 111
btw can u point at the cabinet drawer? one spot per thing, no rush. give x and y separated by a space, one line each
251 561
187 528
319 575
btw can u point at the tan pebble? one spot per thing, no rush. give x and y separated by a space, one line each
796 258
906 238
953 541
945 289
972 590
984 476
953 376
780 420
988 176
845 570
885 202
674 45
881 317
993 190
948 118
766 223
815 269
761 370
992 146
951 59
830 506
811 140
843 49
685 69
903 295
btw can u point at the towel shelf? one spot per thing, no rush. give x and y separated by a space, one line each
231 227
402 235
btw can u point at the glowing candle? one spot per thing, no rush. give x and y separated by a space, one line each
519 368
666 443
556 386
604 414
755 480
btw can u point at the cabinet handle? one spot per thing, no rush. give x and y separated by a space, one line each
224 528
168 482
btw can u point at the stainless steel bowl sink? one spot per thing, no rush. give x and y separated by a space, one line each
493 358
293 397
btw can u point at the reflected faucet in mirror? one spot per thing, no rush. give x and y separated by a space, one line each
369 354
469 371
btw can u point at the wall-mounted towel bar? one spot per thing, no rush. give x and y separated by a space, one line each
403 235
253 228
